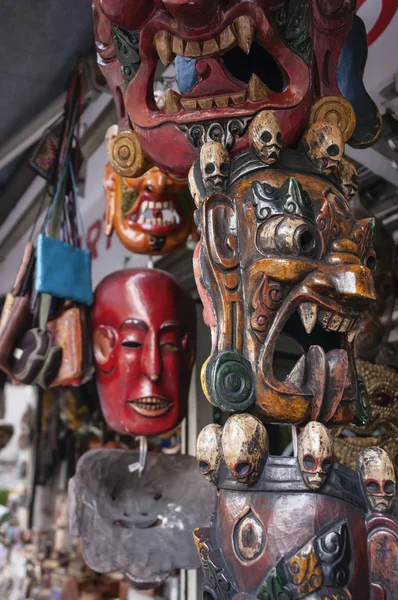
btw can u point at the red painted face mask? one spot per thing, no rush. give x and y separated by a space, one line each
144 349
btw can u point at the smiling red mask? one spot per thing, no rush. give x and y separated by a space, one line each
144 326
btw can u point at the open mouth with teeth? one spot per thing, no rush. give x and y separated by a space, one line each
237 75
325 372
155 217
151 406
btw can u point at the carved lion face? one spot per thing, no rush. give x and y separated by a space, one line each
282 260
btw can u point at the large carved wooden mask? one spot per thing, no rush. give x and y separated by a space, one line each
233 59
281 255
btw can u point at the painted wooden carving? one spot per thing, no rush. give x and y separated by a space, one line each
297 528
281 253
297 59
144 329
143 525
151 214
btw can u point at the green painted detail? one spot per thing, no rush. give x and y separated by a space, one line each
273 588
293 21
129 198
127 51
296 200
231 382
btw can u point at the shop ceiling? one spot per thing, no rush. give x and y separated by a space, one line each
39 45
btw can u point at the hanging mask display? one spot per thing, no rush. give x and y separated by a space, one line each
270 92
143 525
144 330
296 59
151 214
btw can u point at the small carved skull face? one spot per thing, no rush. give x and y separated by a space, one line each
209 452
315 454
348 178
214 167
324 145
265 136
245 447
378 478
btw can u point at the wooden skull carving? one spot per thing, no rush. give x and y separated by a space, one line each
214 165
315 454
324 144
265 137
378 478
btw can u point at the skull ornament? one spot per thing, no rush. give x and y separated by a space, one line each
209 452
214 166
245 447
347 176
378 478
315 454
324 145
265 136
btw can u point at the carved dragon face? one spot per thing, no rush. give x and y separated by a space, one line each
282 258
233 59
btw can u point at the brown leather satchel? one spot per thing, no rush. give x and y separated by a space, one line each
16 317
69 332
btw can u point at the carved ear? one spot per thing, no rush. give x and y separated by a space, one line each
112 184
219 230
104 342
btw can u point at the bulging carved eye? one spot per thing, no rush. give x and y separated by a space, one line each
288 235
249 537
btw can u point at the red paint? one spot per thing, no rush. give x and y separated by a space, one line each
93 236
144 327
388 10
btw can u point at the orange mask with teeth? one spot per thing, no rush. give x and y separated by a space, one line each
143 325
151 214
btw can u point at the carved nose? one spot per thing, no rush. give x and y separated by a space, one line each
192 13
353 285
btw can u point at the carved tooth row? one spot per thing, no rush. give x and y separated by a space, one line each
168 46
332 321
174 102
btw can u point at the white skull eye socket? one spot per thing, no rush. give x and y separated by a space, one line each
372 486
326 464
333 150
266 137
204 466
224 168
389 487
279 138
210 168
310 462
243 468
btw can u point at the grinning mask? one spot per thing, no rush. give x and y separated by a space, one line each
233 59
144 327
281 257
151 214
